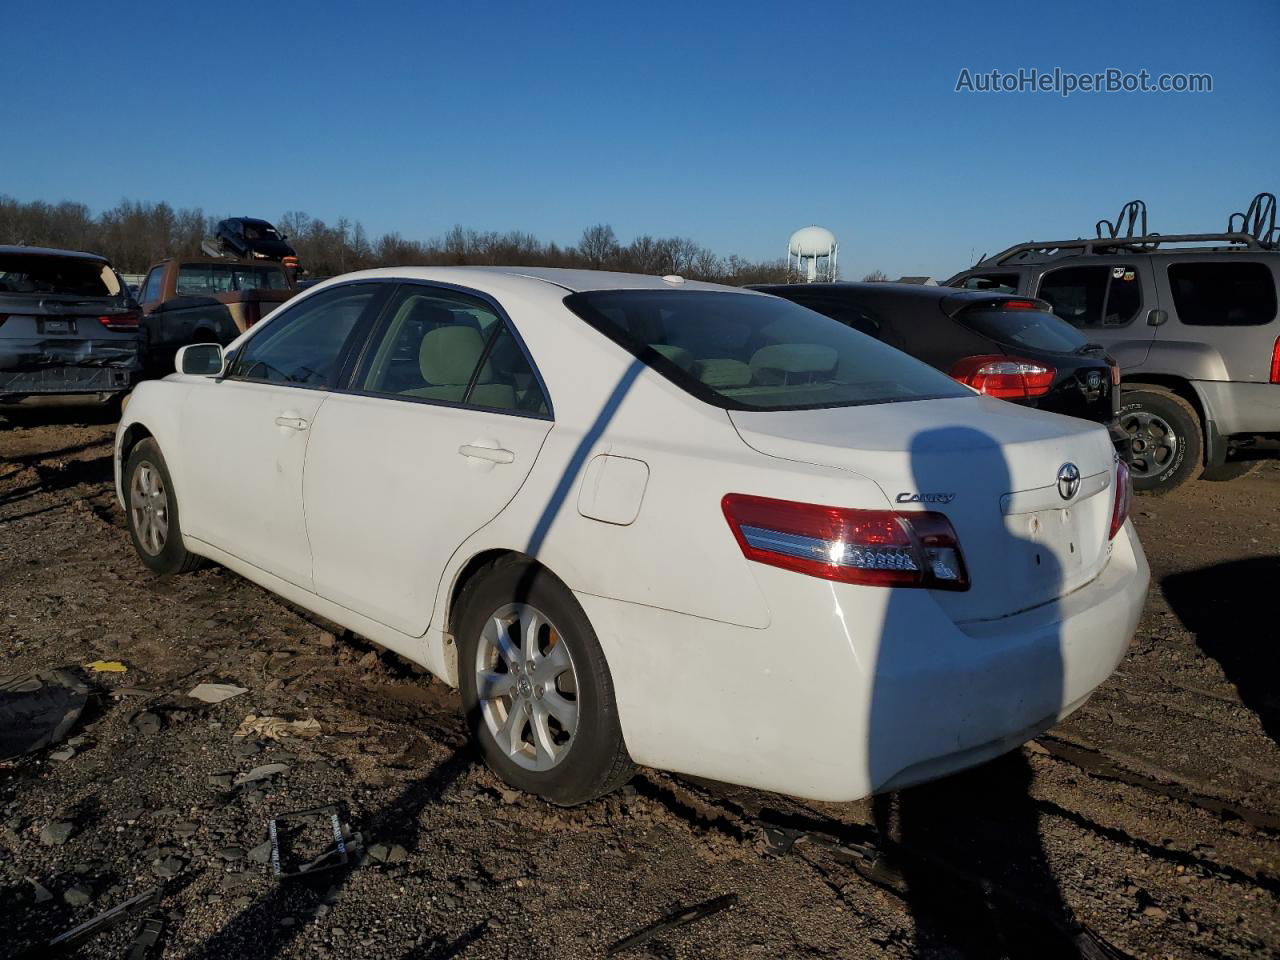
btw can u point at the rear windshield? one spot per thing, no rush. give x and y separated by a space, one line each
260 231
41 273
195 279
1033 329
747 352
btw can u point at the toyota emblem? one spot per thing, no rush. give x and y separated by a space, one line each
1068 480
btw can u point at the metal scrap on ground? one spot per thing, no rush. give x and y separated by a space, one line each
38 709
677 918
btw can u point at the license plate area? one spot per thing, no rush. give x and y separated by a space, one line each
50 327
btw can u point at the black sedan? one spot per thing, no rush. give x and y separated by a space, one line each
1005 346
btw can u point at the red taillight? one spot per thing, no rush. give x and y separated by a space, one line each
1123 497
1010 378
1275 362
880 548
1020 305
126 322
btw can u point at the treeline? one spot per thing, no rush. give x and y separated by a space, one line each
135 235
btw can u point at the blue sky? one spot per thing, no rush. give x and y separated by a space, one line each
733 123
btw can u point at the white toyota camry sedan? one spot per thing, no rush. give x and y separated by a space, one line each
642 520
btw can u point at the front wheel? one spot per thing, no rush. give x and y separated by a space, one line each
1165 439
152 512
536 688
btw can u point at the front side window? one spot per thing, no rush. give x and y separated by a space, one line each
1236 294
448 346
303 344
746 352
1102 295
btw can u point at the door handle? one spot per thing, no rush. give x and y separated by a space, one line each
492 454
293 423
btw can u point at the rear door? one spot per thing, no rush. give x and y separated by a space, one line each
244 437
438 429
1112 300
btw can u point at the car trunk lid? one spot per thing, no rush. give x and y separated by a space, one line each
991 467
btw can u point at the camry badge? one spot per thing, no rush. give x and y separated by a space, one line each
909 497
1068 480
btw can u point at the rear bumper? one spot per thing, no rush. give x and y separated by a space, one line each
32 367
856 690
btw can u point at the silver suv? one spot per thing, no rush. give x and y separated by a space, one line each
1191 319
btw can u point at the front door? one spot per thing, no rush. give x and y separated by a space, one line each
245 436
439 429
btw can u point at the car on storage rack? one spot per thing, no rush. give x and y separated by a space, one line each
252 239
630 529
68 326
1192 321
1001 345
206 300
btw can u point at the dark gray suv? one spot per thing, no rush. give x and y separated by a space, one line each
1190 318
68 325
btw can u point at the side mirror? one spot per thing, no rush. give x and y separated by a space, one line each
200 360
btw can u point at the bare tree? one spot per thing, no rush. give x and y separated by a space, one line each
875 276
598 246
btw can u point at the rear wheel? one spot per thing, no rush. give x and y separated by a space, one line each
1165 438
536 688
152 512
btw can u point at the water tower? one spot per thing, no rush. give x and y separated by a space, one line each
813 252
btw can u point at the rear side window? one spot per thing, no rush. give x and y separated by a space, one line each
196 279
302 345
1236 294
745 352
37 273
991 282
1103 295
1032 329
153 288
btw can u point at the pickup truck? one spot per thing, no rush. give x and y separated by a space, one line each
206 300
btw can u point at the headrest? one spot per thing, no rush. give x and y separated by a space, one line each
724 373
681 357
785 360
448 355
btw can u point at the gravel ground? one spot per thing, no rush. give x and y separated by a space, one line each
1150 820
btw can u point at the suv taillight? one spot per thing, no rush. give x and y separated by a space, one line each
1275 362
125 322
1009 378
881 548
1123 497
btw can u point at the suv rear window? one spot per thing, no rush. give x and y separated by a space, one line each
41 273
1236 294
746 352
991 282
1033 329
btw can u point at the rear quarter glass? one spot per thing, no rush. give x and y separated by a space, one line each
743 351
1025 329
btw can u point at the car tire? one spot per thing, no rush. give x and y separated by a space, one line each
545 719
151 512
1232 470
1166 439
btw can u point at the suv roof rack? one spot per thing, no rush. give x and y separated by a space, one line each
1254 229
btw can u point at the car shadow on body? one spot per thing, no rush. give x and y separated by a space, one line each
1230 610
965 851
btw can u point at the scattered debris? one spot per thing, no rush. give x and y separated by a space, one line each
167 868
56 834
147 723
677 918
276 727
78 895
38 709
261 853
388 853
78 934
215 692
149 933
264 772
308 841
41 892
106 666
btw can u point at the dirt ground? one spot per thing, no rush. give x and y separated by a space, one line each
1149 821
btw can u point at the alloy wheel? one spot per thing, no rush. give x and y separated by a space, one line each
149 508
1152 442
527 686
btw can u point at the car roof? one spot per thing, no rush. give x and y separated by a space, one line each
574 281
874 288
51 251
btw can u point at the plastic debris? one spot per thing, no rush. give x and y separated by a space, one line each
38 709
307 841
264 772
276 727
149 933
677 918
215 692
106 666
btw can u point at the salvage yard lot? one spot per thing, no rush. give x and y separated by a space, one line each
1151 818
